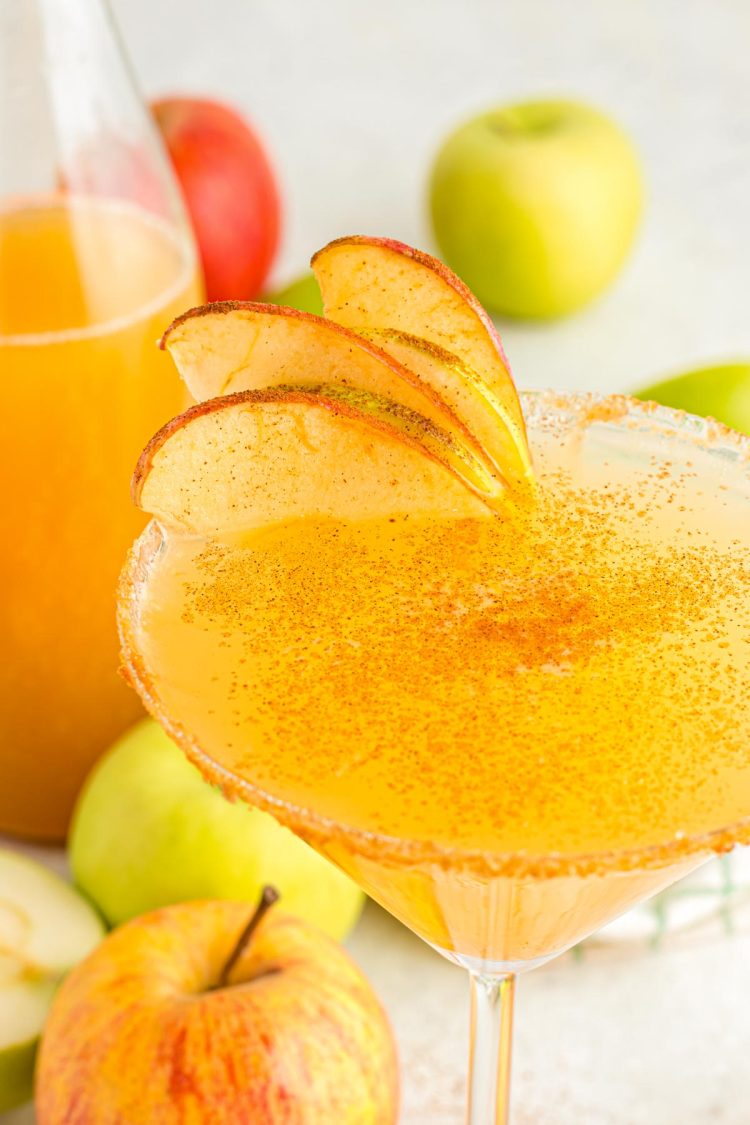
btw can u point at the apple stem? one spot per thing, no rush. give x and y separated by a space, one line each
268 896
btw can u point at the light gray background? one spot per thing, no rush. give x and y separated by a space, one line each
354 96
353 99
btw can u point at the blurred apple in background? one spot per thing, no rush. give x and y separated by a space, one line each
45 929
302 294
230 190
148 831
723 392
152 1028
535 205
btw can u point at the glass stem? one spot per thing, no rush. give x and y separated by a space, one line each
490 1049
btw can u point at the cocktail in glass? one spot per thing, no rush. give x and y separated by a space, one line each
507 730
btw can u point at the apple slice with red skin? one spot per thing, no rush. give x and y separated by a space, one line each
378 283
458 384
232 346
260 457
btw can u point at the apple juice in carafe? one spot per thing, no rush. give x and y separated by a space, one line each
83 385
96 257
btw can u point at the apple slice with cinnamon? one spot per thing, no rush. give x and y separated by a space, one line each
259 457
233 346
383 285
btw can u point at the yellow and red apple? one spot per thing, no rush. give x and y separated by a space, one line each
173 1020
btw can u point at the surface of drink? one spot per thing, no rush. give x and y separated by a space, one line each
507 729
86 288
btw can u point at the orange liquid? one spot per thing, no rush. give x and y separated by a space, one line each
85 292
479 707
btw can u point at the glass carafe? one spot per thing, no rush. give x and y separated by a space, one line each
96 258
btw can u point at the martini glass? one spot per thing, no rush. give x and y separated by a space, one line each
611 698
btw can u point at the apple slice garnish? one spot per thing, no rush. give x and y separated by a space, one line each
458 384
381 284
232 346
254 458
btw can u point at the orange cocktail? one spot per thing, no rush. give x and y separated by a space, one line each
85 291
472 716
510 709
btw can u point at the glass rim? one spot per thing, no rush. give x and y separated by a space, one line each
588 409
176 233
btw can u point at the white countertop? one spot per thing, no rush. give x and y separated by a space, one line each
353 99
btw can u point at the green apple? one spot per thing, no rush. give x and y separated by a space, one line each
148 831
302 294
722 391
45 929
535 205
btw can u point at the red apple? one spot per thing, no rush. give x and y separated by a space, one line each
196 1014
230 190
